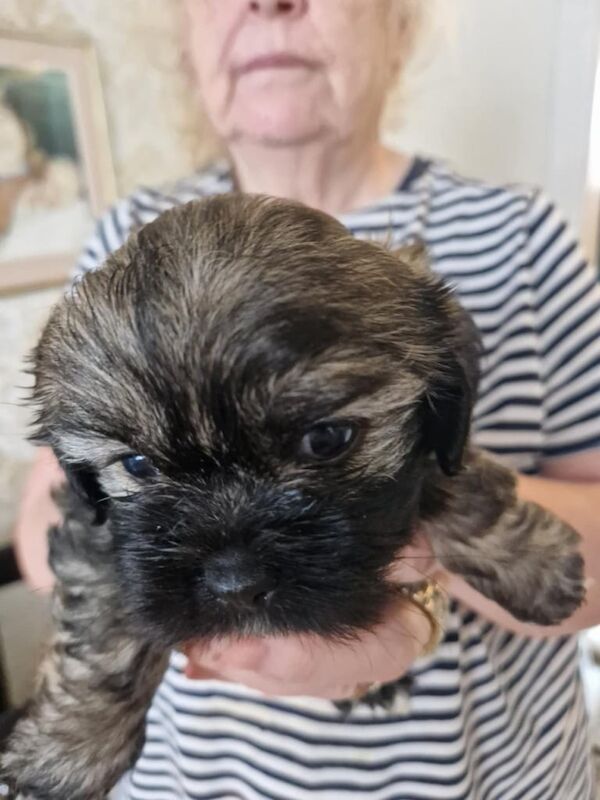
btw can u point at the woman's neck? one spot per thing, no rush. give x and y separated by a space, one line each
335 179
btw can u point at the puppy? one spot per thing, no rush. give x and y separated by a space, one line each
242 398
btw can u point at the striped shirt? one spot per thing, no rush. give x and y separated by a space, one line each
491 715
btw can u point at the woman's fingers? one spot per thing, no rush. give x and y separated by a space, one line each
415 563
37 514
315 666
310 665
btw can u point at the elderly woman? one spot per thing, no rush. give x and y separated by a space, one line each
296 89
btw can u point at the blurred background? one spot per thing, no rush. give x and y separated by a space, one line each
502 90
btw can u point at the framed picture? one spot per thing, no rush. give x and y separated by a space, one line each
56 174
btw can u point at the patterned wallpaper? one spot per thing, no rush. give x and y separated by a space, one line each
157 133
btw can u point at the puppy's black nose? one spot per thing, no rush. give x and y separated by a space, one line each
236 579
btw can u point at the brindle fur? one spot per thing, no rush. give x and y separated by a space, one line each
209 343
84 727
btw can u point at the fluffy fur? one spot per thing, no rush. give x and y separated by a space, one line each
212 344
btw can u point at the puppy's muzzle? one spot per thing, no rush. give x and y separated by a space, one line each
238 581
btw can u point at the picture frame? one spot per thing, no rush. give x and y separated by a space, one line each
56 171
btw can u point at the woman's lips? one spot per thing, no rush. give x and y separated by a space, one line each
274 61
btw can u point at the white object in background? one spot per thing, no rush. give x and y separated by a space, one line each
591 213
571 142
507 97
590 673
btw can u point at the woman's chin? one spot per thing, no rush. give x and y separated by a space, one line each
277 136
277 126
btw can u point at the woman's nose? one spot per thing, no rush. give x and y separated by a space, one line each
278 8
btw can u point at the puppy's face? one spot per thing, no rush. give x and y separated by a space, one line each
251 399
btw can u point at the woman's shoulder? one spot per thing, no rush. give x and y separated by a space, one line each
453 189
434 201
143 205
485 222
146 202
214 178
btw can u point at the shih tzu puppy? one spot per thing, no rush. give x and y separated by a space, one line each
255 412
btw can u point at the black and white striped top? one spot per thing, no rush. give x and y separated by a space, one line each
491 716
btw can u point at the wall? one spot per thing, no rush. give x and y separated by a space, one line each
503 95
157 133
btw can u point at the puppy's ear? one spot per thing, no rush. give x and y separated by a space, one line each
414 253
84 482
449 400
446 419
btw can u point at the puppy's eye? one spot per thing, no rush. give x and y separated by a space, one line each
328 441
138 466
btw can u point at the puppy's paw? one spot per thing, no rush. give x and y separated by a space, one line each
555 598
383 696
544 602
529 564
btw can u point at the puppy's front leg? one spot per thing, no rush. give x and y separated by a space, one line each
85 724
512 551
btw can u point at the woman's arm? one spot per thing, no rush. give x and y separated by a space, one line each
570 488
37 513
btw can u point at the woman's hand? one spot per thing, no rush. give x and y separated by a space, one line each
310 665
37 513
